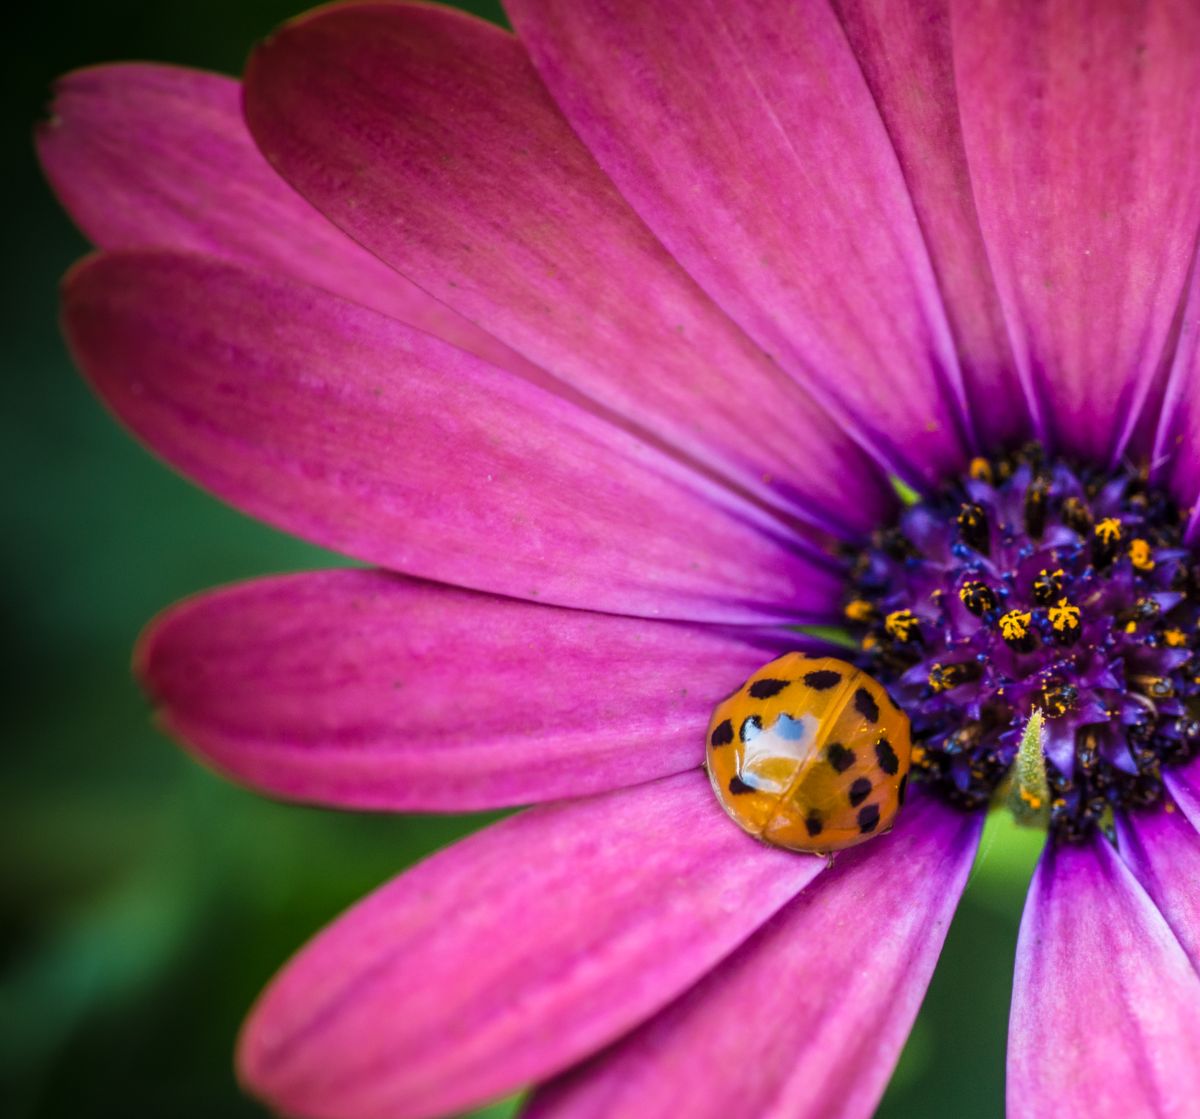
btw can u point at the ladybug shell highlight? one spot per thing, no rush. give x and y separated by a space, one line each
810 754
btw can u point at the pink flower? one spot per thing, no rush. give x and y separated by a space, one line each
688 284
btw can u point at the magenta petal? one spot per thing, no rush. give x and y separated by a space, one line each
1082 129
749 142
1105 1017
1177 445
358 433
907 59
513 954
427 135
808 1017
367 690
159 156
1183 784
1162 848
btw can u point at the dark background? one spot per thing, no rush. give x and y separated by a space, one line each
143 901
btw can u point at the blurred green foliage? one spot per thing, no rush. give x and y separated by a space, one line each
145 901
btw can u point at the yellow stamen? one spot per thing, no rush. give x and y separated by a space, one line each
860 610
901 624
1064 616
1109 530
1140 555
1015 625
981 470
1176 638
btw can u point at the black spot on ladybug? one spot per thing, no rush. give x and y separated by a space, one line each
902 789
737 786
859 791
813 824
722 734
822 680
750 728
888 762
839 757
764 689
868 818
865 705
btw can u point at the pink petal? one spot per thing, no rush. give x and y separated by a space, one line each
1183 784
904 49
1162 848
358 433
366 690
1106 1007
426 134
1177 446
749 142
808 1017
1082 129
159 156
513 954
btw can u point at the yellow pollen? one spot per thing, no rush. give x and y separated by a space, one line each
917 755
1032 799
980 469
869 641
1064 616
859 610
1109 530
1140 555
1131 627
1176 638
1015 624
901 624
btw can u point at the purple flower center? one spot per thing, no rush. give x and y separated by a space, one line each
1037 584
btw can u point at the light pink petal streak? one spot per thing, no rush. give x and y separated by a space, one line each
363 689
748 140
360 434
808 1017
904 48
513 954
159 156
1162 848
1177 446
1082 130
1105 1017
426 134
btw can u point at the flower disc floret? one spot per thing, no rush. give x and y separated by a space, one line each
1037 584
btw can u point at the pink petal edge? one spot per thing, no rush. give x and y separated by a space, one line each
904 48
513 954
808 1017
358 433
1105 1017
1082 134
426 135
1162 848
363 689
747 139
144 155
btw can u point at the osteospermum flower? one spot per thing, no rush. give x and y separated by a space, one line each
601 344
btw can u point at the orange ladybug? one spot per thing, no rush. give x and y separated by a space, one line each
810 754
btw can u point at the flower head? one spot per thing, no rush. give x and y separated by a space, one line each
607 338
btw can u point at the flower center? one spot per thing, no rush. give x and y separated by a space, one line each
1033 584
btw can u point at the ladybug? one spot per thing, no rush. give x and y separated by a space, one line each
810 754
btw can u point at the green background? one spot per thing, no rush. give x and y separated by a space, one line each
145 901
